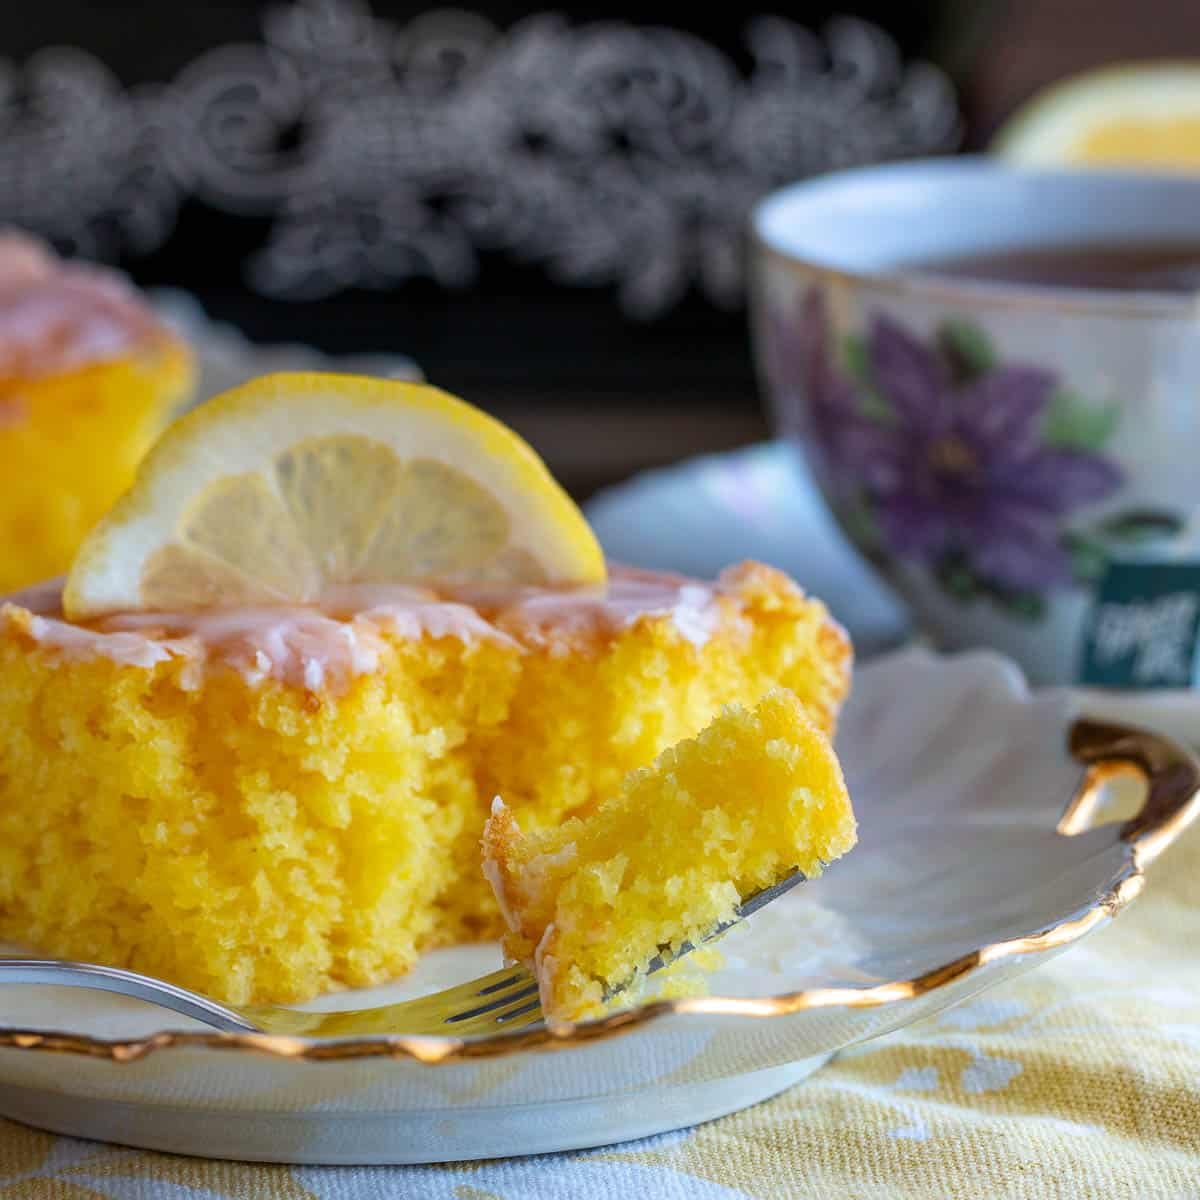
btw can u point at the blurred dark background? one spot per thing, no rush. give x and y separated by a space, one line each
544 207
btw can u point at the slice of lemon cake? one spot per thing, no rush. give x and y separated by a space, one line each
88 378
395 614
589 903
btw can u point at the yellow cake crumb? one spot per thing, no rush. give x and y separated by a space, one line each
264 840
88 378
715 819
72 447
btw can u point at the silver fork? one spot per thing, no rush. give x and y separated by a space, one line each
504 1000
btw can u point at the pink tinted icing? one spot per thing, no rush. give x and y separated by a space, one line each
324 647
56 315
560 617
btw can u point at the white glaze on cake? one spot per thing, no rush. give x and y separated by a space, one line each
56 316
324 647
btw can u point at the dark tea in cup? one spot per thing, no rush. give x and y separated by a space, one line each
1103 266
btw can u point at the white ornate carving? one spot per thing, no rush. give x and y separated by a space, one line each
608 153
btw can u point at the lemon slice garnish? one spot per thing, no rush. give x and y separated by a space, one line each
281 489
1142 115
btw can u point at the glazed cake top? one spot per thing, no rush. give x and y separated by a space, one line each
56 316
319 647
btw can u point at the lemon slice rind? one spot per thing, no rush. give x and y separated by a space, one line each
510 504
1054 127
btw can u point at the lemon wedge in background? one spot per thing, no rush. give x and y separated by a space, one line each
278 490
1141 115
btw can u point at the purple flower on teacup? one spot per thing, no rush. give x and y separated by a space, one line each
966 469
802 374
946 456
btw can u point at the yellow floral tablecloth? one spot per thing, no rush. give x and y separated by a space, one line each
1080 1079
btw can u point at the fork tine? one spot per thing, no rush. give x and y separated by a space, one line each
518 1014
512 975
468 994
530 1006
526 1022
497 1002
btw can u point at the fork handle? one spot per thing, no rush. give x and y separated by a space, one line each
93 977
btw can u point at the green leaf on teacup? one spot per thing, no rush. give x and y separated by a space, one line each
1087 554
1071 423
959 580
956 579
966 348
1025 606
1140 525
858 520
872 403
857 359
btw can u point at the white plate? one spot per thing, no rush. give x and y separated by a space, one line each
960 779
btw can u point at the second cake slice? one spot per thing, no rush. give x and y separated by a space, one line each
756 796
